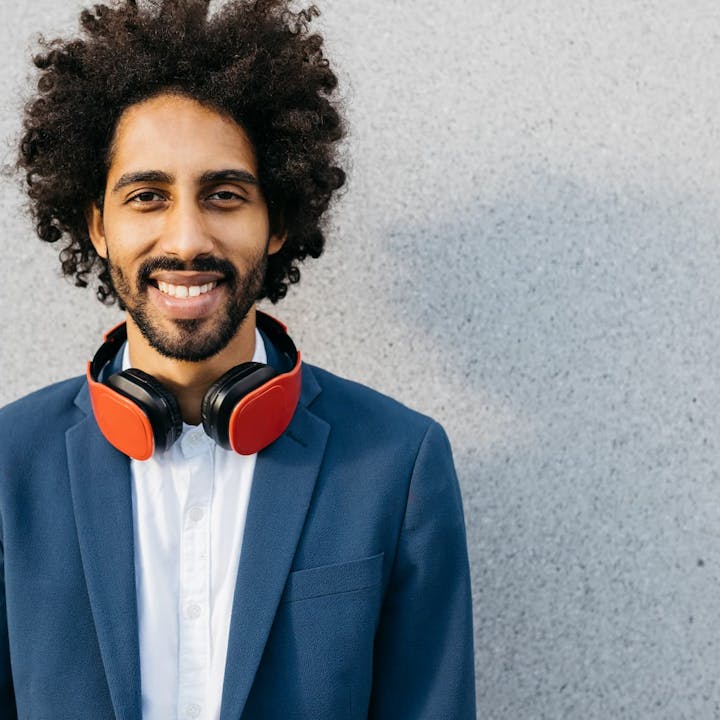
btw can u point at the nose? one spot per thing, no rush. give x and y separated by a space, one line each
185 233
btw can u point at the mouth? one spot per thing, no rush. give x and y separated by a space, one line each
186 295
182 285
184 291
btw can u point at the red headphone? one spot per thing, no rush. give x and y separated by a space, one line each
245 410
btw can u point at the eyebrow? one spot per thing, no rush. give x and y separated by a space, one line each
211 176
242 176
155 176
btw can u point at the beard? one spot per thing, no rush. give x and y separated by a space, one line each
191 340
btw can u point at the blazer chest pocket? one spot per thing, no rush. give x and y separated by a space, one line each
333 579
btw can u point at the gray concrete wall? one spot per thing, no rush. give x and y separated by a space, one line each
527 250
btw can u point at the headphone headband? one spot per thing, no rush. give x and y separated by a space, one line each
113 340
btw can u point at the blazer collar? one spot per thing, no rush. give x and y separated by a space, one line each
101 496
283 486
282 490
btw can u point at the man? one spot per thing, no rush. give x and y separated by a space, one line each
202 526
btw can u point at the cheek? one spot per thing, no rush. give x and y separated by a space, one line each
250 229
131 235
120 260
123 263
119 278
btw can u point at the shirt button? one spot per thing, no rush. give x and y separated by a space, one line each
196 514
193 442
193 710
193 612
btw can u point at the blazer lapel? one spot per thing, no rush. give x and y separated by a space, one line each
102 500
283 484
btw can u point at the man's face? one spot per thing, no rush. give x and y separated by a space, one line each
184 225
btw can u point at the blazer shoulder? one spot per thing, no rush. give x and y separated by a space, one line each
346 402
48 407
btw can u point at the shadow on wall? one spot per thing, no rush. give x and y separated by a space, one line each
575 331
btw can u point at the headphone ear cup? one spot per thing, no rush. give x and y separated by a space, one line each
226 393
153 400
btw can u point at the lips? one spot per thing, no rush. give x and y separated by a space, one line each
185 284
183 291
186 295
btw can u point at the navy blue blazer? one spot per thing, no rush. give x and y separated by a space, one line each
352 597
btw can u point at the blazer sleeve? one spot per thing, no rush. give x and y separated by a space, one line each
424 664
7 695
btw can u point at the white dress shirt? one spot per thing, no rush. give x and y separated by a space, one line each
189 510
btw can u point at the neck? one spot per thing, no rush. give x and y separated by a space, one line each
189 381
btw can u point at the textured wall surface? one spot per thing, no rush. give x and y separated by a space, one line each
527 250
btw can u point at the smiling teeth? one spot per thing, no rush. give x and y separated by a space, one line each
183 291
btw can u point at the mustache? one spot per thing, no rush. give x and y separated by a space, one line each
207 263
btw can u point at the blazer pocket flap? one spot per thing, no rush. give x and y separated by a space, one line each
333 579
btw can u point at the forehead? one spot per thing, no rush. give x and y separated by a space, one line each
176 134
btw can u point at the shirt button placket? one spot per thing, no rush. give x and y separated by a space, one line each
194 655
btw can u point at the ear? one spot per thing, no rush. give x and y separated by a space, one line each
275 242
96 229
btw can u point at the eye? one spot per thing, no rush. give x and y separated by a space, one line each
145 197
226 197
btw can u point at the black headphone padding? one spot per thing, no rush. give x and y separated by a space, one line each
158 403
222 396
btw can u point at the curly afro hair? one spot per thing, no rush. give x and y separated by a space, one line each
255 60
